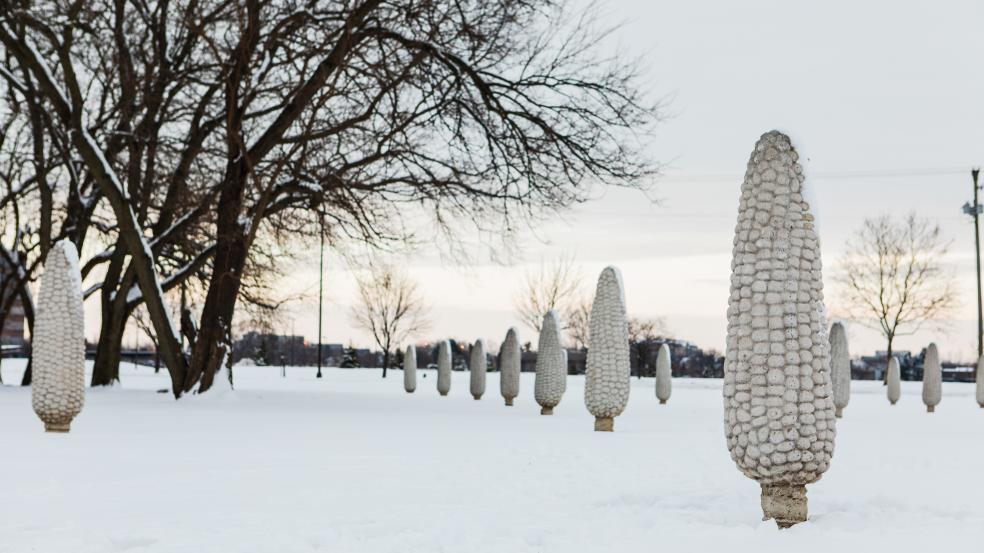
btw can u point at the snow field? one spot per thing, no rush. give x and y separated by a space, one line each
352 463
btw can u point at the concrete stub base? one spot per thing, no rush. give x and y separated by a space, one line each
838 412
476 397
662 402
604 424
444 393
509 401
60 428
784 503
930 408
546 410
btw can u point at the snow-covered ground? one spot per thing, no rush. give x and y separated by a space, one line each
351 463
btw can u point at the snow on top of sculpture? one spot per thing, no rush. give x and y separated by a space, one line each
410 369
606 379
551 368
778 409
444 367
509 366
840 367
664 374
478 366
58 379
894 380
932 388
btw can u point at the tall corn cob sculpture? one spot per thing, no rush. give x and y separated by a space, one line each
664 374
444 368
478 366
509 365
606 379
58 385
980 381
551 366
894 380
410 369
840 368
778 410
932 388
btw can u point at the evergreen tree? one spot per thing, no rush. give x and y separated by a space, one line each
350 360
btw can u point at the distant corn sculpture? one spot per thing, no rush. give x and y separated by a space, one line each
444 368
932 388
840 368
509 366
894 381
551 366
778 410
664 374
58 386
607 372
980 381
478 366
410 369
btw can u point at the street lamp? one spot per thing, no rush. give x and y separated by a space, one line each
321 287
975 212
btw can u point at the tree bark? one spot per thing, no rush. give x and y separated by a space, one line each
386 361
888 359
106 366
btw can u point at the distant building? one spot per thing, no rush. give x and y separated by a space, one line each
12 333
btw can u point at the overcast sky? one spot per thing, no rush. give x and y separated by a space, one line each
885 99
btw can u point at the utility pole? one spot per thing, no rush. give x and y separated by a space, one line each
321 288
975 212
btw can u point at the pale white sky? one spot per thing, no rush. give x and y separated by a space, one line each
862 87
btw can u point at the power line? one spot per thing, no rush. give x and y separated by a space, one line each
835 175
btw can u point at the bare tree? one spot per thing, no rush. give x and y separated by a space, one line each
390 307
576 322
892 276
221 119
643 332
554 286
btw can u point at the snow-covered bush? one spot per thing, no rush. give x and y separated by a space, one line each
58 385
606 378
444 367
664 374
980 381
410 369
894 380
779 413
478 366
932 388
840 368
551 366
510 361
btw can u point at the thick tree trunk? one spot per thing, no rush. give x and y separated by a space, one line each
386 361
217 312
26 379
106 367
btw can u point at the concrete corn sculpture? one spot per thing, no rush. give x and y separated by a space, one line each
894 381
664 375
606 379
444 368
840 368
980 382
778 410
478 366
410 369
509 365
932 388
58 386
551 366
